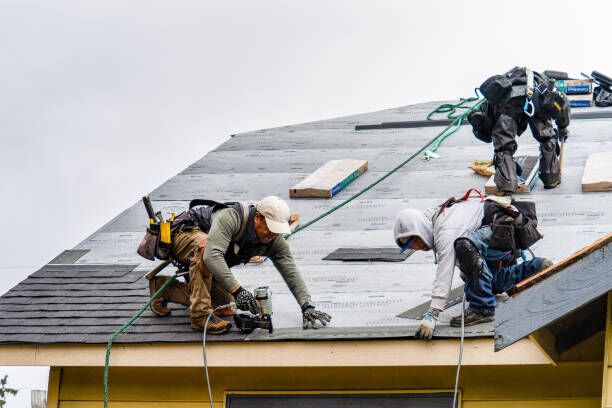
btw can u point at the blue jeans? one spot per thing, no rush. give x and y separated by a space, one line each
495 278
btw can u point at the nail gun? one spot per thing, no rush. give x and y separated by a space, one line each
247 322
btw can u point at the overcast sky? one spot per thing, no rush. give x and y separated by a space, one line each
102 101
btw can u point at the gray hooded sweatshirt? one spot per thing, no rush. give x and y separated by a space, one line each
460 220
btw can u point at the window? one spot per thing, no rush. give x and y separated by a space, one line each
337 400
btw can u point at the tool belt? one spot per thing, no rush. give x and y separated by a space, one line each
512 229
157 242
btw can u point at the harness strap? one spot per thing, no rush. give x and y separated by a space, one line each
530 83
467 195
451 201
245 220
199 201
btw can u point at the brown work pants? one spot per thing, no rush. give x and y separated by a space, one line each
189 248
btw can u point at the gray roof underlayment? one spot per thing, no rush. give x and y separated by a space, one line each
85 294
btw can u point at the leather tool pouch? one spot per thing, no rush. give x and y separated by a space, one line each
149 246
527 234
512 230
152 247
502 237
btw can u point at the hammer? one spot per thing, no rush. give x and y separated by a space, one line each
150 275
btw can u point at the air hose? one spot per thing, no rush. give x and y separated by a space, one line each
122 329
436 141
452 109
457 120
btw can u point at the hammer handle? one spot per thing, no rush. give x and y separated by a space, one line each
150 275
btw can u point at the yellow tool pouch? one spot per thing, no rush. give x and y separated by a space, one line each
157 242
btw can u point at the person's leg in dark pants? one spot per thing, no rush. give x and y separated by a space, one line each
550 166
478 264
504 141
507 277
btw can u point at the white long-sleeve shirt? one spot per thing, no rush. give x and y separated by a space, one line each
459 220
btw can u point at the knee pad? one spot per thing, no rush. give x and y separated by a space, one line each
469 259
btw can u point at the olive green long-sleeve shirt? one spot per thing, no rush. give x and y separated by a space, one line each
224 230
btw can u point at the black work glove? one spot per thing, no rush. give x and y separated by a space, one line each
310 316
245 301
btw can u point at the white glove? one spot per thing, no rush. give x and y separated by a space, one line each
427 326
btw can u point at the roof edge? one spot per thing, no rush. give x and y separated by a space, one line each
444 352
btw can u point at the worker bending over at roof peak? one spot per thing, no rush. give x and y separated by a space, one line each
518 98
214 238
457 233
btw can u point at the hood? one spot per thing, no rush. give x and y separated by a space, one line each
412 222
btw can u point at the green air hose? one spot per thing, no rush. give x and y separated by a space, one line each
451 109
436 141
121 329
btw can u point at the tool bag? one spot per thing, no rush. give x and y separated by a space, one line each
513 227
603 98
496 88
151 246
482 121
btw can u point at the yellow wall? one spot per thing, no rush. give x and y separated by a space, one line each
606 400
537 386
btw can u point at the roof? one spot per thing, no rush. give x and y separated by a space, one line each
585 281
85 294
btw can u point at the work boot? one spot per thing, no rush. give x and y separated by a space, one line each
545 263
552 185
470 261
225 312
470 318
175 292
216 325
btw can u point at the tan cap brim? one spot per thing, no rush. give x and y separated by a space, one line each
277 227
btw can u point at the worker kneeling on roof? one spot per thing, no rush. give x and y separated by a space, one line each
209 239
485 238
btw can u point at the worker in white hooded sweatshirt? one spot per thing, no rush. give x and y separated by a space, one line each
485 271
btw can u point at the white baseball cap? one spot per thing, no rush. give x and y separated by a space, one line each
276 213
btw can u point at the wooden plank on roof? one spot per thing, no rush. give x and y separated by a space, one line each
329 179
597 174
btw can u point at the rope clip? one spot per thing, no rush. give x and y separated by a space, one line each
528 108
428 155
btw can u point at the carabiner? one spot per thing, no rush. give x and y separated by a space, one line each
526 108
428 155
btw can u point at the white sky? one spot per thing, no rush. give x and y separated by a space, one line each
102 101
